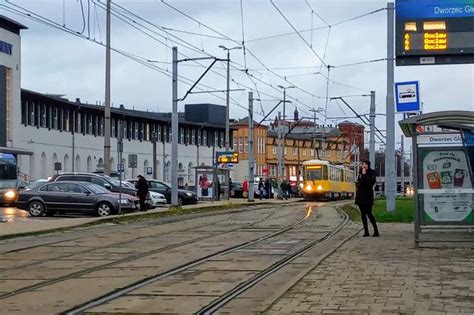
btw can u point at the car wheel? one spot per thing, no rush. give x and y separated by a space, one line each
36 208
180 201
104 209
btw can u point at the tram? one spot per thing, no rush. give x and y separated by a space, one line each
323 180
8 166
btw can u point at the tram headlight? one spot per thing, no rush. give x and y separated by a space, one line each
320 187
309 187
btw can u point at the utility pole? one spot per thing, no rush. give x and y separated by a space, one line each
280 153
251 153
154 139
372 129
119 156
227 98
390 165
107 96
174 131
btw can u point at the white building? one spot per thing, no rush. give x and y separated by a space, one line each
41 130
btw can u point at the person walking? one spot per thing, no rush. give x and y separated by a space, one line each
365 196
245 188
268 188
231 188
283 189
142 191
261 188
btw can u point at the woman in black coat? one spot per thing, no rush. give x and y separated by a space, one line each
365 196
142 191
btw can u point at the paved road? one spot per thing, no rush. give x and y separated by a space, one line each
9 214
55 272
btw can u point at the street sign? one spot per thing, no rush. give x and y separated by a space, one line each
149 171
227 157
132 161
434 32
407 96
229 165
57 166
120 168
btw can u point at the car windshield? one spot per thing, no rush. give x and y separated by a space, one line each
111 180
96 189
165 184
7 184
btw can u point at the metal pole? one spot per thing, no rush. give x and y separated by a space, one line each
107 96
402 167
284 104
390 175
314 136
174 130
154 139
251 153
164 159
227 136
372 129
74 116
280 153
119 153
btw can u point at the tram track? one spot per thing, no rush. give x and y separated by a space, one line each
150 280
140 255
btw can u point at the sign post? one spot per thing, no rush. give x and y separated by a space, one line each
407 95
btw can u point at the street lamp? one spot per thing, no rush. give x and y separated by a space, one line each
227 136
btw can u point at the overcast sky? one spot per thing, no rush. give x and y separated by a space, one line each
60 63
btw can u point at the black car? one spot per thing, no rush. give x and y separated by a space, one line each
184 196
9 190
105 181
72 196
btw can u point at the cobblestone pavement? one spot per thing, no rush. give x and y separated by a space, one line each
385 275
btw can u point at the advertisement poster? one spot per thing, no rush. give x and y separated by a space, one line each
205 186
447 170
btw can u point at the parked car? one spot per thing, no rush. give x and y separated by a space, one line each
9 190
105 181
184 196
72 196
157 199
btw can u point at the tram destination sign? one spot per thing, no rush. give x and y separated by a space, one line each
434 32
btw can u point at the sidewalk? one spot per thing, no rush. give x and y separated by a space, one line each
32 225
386 275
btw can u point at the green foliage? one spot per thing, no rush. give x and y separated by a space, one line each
404 212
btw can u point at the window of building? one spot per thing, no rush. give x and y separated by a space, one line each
304 152
31 113
89 124
241 145
286 150
43 116
193 136
136 131
24 113
246 145
235 145
295 150
273 170
142 131
188 136
216 138
55 118
311 152
199 138
204 137
78 122
67 126
274 149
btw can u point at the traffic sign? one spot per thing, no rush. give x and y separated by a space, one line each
149 170
132 161
408 97
120 168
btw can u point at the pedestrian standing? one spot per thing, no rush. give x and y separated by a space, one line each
142 191
365 196
261 188
268 188
245 188
231 188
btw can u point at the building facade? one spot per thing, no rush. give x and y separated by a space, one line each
42 130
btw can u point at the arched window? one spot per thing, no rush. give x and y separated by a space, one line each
66 166
77 165
43 165
167 172
190 173
89 164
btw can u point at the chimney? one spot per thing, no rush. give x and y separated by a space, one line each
78 100
121 106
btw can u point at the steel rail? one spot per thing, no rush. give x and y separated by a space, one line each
127 259
142 283
241 288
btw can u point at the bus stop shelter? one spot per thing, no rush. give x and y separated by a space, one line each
443 163
206 178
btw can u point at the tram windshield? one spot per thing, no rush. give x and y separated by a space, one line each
313 172
8 167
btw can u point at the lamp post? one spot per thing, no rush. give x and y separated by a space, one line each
227 136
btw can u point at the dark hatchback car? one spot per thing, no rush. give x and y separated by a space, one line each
185 197
9 190
71 196
105 181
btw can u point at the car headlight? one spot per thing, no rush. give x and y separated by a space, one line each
10 194
320 187
124 201
189 194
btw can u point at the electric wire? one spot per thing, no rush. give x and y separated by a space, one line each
83 17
